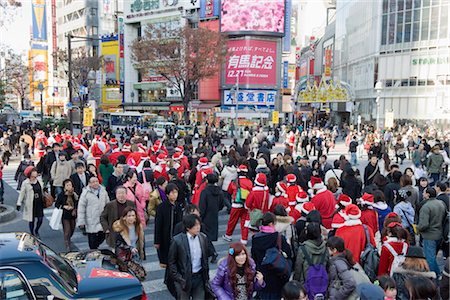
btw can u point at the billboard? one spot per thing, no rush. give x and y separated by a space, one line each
262 98
38 63
252 62
110 49
208 88
328 60
209 9
39 16
264 16
287 27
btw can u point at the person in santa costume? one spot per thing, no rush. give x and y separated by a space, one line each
259 195
369 216
184 161
99 148
306 208
352 232
114 144
339 215
153 153
323 199
203 169
301 199
280 197
292 190
238 210
177 164
161 168
40 142
290 139
395 244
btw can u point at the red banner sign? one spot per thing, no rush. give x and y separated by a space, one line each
254 62
96 272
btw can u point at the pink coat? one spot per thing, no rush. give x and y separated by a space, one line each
139 198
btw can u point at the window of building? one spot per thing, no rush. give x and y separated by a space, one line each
408 4
430 82
385 6
391 36
400 5
399 36
384 30
413 81
404 82
425 3
421 82
443 28
389 83
434 22
425 24
392 5
94 30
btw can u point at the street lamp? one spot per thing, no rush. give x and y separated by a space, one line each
378 89
41 89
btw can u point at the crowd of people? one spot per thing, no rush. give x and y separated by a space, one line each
318 229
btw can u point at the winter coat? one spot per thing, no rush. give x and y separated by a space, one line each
26 199
400 275
281 199
382 210
61 201
431 216
60 171
228 175
260 243
258 197
351 186
434 163
406 212
105 172
414 198
221 283
78 184
325 203
354 237
123 242
167 216
154 201
109 215
137 196
211 202
20 177
370 218
284 226
386 257
90 208
341 281
316 251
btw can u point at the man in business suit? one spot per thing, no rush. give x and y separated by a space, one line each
80 179
188 267
113 211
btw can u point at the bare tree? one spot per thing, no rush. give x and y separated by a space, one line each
15 77
8 9
183 56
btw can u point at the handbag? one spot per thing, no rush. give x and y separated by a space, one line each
277 261
137 269
412 226
257 214
48 200
55 220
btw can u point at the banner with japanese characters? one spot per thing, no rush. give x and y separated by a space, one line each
250 97
252 62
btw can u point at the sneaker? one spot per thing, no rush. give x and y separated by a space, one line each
244 242
227 238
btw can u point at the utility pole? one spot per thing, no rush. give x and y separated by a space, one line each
69 74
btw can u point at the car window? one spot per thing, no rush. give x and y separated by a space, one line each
12 286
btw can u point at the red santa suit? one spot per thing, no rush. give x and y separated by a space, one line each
392 246
177 165
368 215
99 148
292 190
183 159
238 210
296 212
113 144
339 216
259 196
40 142
200 179
161 168
280 197
352 232
323 200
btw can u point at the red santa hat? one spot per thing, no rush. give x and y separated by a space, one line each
76 146
308 207
176 156
161 157
302 197
113 141
392 215
291 178
367 199
316 183
76 140
261 179
179 149
282 187
203 161
155 148
242 168
126 147
97 137
352 212
338 220
104 140
344 200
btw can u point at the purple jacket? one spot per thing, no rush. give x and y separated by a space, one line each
221 284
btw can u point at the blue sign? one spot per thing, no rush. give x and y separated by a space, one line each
209 9
287 26
285 74
262 98
39 16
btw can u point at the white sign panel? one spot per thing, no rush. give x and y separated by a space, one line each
250 97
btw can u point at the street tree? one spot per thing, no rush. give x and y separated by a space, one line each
8 10
15 77
183 56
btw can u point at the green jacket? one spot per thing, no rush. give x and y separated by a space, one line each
434 163
316 252
431 216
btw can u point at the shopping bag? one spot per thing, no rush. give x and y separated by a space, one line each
55 220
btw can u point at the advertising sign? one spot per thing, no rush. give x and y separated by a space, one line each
287 27
209 9
389 119
250 97
39 16
38 63
252 62
54 36
111 97
275 117
328 57
285 74
256 16
88 117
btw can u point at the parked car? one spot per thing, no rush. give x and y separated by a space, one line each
31 270
160 127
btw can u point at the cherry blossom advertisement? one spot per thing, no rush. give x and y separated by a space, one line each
252 62
257 16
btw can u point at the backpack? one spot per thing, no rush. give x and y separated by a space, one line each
399 258
369 258
277 261
241 194
316 281
359 276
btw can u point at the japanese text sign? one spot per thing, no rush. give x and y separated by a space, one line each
252 62
250 97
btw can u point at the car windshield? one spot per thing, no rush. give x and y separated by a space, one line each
60 266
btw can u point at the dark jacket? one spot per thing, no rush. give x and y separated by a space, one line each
370 172
179 261
341 282
109 215
50 158
390 191
182 191
260 243
351 187
211 202
62 200
77 183
400 275
20 177
167 216
113 183
444 198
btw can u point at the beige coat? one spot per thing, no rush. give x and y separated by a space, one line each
90 209
60 171
155 200
26 199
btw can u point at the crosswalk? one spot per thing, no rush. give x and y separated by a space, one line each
154 284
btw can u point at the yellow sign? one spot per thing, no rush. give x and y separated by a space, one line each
324 92
88 117
275 117
111 97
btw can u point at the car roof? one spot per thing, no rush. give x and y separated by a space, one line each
18 246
